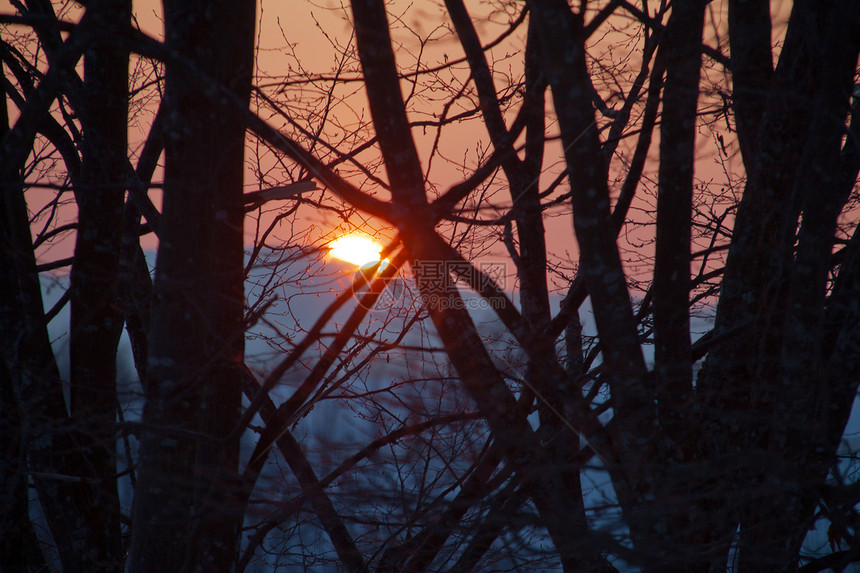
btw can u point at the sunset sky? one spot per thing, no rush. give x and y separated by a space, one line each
300 44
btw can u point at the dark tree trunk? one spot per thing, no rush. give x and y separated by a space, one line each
684 523
96 323
671 286
19 548
796 427
186 515
57 466
752 68
759 388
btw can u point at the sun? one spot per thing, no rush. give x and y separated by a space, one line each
355 248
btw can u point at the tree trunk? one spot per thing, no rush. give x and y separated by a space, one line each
186 515
19 548
96 323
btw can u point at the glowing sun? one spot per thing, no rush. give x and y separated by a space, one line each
356 249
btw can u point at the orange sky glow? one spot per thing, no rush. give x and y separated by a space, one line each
301 46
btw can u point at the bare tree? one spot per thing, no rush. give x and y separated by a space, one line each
430 413
185 499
